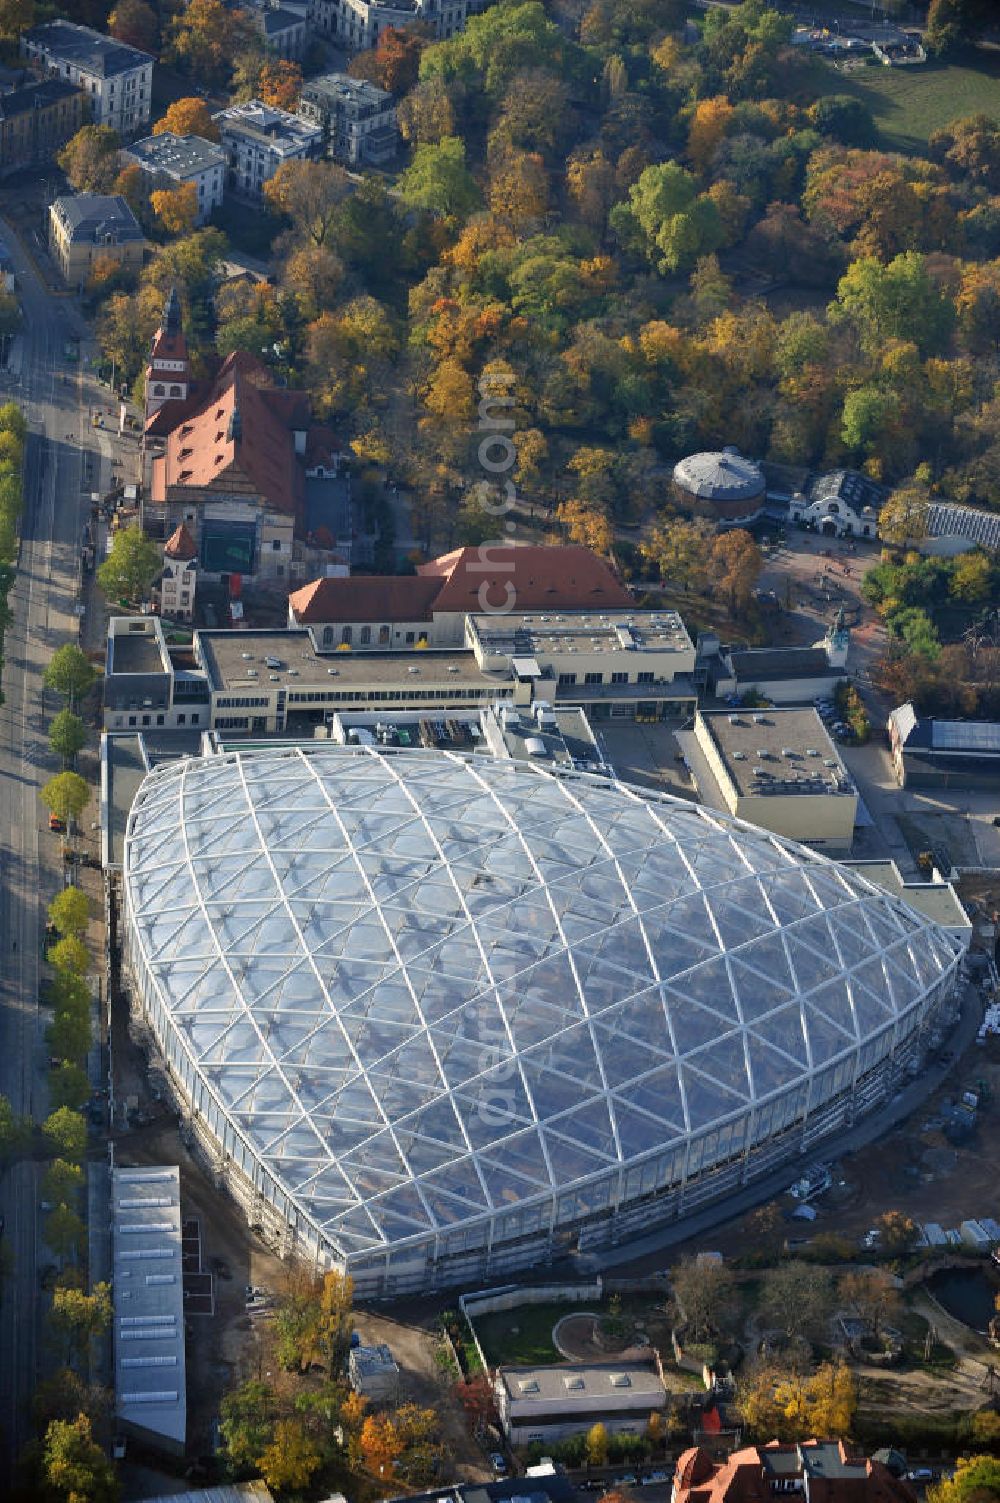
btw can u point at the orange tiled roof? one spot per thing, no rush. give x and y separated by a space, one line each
180 544
365 597
556 578
528 577
238 425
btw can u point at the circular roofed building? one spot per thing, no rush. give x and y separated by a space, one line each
437 1018
724 486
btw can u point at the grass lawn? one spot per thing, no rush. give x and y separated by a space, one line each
523 1335
910 104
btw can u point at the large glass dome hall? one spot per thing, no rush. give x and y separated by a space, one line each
437 1018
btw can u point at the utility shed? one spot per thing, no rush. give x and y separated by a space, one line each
374 1373
150 1397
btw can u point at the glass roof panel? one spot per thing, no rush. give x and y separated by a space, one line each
404 974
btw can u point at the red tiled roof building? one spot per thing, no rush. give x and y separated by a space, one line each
429 608
821 1471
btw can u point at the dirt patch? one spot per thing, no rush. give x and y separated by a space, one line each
415 1347
584 1337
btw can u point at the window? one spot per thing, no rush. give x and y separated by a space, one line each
346 636
366 636
644 678
409 638
159 391
328 636
567 678
182 719
175 391
383 636
275 545
619 678
593 678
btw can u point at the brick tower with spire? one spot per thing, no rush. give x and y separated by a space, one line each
168 374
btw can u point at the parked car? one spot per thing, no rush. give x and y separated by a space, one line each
920 1474
654 1479
57 824
627 1479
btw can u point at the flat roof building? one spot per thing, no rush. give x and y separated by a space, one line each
358 119
931 753
374 1373
148 1293
779 770
936 900
629 663
116 78
258 139
549 1403
170 161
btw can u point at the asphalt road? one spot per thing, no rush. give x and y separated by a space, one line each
43 602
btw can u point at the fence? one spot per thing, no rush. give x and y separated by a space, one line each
510 1296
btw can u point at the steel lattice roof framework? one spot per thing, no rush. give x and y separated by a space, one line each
428 988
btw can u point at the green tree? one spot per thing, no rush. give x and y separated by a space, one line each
70 911
69 992
438 179
972 578
292 1459
15 1131
62 1183
679 550
845 119
246 1422
67 735
69 673
903 518
68 1086
66 1131
66 796
75 1467
69 1037
976 1480
897 301
65 1233
668 219
335 1301
131 566
78 1317
70 954
90 158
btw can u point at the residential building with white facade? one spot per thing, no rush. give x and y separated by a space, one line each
117 79
285 31
259 139
170 161
358 119
358 24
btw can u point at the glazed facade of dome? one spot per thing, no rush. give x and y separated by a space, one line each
443 1015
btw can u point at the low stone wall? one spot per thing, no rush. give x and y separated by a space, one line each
510 1296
